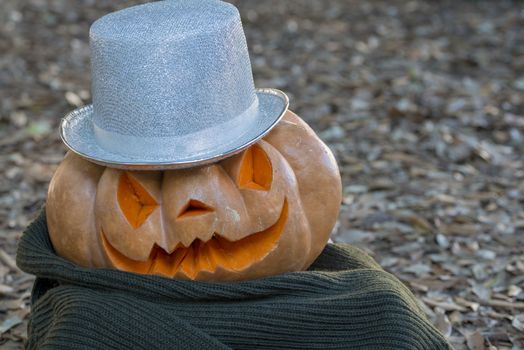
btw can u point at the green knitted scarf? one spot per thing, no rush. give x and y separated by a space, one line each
345 301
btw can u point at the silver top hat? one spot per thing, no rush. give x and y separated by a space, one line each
172 87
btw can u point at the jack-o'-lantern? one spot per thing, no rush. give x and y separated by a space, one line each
267 210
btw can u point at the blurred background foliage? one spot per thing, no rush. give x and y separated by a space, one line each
421 101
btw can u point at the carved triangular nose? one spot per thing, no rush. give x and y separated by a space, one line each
198 203
195 220
194 207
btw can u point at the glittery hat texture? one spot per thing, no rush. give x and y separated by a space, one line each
172 87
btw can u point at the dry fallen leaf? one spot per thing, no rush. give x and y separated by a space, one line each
6 290
475 341
443 324
425 123
9 323
518 322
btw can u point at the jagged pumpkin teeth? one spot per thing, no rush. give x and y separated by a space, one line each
205 260
216 253
267 210
204 256
188 264
162 264
177 258
198 261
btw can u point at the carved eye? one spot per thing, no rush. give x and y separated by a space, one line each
136 203
256 172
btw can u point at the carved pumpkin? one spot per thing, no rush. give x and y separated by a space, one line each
267 210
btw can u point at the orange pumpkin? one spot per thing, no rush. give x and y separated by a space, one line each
267 210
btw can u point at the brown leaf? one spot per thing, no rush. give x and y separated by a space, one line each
6 290
8 260
448 306
443 324
475 341
420 223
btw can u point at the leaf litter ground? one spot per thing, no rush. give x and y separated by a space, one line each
421 101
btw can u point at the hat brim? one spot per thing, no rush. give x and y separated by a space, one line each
77 133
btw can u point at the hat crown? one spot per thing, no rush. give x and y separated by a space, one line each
169 68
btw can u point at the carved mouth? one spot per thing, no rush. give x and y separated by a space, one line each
203 256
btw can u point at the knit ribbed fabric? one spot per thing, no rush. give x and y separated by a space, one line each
345 301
